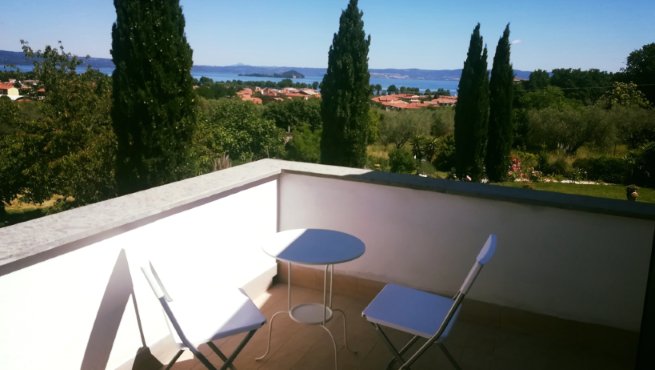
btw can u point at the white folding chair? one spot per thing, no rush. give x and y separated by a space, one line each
195 319
422 314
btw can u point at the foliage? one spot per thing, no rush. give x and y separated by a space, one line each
209 89
624 94
635 126
291 114
11 154
640 69
409 90
9 116
472 111
444 158
604 168
440 92
644 165
568 129
402 161
539 79
424 148
523 166
374 118
67 146
500 131
549 96
583 86
234 129
301 119
345 92
399 127
153 107
7 73
304 144
443 122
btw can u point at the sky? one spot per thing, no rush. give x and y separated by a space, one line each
424 34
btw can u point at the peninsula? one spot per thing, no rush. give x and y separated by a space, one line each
287 74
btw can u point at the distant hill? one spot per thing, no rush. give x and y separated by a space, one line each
17 58
287 74
12 58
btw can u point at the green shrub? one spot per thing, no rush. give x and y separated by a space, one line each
643 171
402 161
558 167
608 169
444 159
524 166
378 163
304 145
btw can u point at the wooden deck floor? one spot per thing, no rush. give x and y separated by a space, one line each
485 337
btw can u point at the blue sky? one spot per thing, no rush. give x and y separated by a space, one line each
426 34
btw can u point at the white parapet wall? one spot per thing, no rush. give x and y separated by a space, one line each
76 309
572 263
68 282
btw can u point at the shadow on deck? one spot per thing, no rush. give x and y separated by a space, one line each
485 337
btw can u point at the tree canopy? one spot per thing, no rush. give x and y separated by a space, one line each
472 111
500 137
153 108
65 145
640 69
236 131
345 92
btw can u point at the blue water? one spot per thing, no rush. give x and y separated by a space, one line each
422 85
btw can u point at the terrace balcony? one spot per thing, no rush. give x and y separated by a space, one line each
571 285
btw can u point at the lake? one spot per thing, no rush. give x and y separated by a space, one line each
422 84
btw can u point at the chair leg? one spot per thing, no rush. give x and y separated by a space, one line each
217 351
202 359
396 354
423 348
449 356
228 360
174 359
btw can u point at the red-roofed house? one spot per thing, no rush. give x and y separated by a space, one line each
8 89
448 101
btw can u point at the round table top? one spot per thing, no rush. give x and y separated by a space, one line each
314 246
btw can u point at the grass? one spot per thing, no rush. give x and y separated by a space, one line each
610 191
18 211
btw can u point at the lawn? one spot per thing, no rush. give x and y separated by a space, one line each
19 211
610 191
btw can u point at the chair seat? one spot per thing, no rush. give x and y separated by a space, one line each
215 315
409 310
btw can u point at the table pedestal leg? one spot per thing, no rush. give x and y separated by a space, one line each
327 306
270 333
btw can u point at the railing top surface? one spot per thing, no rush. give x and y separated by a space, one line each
28 242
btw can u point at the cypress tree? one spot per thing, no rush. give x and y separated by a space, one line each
472 111
153 109
345 92
500 136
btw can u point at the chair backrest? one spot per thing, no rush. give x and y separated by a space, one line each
487 251
482 259
164 298
155 282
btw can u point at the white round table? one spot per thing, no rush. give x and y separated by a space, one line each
313 247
